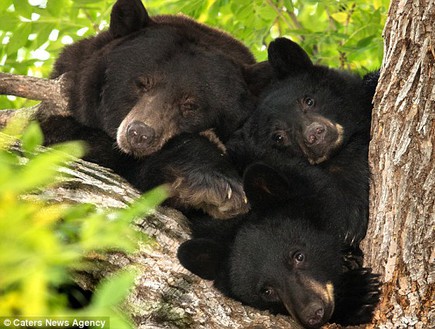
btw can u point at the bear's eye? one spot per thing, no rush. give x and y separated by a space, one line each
188 108
268 293
279 137
308 101
299 257
144 83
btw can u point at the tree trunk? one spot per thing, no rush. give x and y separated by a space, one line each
400 239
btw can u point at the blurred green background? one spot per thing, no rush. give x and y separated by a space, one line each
339 33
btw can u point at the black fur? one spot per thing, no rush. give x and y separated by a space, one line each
183 163
317 204
150 85
170 73
284 124
282 256
143 89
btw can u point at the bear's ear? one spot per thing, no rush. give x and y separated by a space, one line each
264 186
202 257
287 58
128 16
258 76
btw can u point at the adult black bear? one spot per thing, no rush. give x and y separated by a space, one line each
283 256
320 116
148 81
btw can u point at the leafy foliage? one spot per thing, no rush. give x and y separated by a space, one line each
41 243
338 33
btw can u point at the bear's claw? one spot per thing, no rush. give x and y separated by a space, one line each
220 197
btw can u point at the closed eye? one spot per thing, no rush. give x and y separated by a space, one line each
144 83
188 108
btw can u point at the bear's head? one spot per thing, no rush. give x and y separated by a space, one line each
168 87
311 110
167 75
276 257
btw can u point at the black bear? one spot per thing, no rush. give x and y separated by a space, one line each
319 115
152 81
148 79
284 255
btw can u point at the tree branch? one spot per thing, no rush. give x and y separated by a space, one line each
53 92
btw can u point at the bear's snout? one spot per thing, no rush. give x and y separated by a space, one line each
320 138
315 133
139 135
314 315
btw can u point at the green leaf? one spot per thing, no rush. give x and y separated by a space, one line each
32 137
9 21
23 8
146 203
54 7
5 4
39 171
44 31
340 17
365 42
72 149
113 291
19 37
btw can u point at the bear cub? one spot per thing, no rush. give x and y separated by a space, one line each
318 119
282 256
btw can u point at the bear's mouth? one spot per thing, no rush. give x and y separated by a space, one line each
139 152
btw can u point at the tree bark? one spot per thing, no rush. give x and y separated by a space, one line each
400 239
53 93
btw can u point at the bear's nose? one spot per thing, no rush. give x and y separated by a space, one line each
139 135
315 315
315 133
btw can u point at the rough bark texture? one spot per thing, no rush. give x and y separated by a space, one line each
400 240
34 88
51 91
